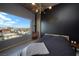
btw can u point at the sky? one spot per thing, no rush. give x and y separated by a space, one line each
9 20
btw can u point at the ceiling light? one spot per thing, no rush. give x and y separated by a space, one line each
33 3
50 7
36 10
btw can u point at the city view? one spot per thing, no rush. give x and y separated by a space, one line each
12 26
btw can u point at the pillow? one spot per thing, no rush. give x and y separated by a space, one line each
51 34
64 36
35 48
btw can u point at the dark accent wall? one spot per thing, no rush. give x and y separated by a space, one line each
63 19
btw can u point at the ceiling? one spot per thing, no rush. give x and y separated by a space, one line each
38 6
46 5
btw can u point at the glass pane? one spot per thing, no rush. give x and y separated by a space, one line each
12 26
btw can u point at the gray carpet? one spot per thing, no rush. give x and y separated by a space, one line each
15 51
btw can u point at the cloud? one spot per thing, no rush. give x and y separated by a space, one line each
4 17
17 20
11 24
3 13
5 21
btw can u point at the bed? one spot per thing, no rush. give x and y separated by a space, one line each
56 45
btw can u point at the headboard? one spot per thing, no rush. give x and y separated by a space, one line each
67 37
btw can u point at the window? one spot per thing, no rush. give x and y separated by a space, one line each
12 26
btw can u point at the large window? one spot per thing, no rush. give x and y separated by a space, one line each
12 26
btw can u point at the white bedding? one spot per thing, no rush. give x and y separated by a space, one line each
35 48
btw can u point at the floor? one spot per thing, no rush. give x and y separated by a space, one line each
15 51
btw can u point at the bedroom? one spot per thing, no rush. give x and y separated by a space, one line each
52 21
